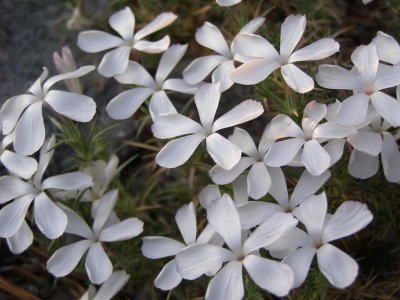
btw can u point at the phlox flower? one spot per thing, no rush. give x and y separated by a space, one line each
220 64
304 142
155 247
126 103
22 114
105 229
49 218
266 59
197 259
123 22
338 267
108 289
259 179
367 79
222 151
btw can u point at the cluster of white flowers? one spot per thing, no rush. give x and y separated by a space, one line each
239 231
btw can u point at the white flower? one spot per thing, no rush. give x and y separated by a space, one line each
273 276
305 142
366 79
108 289
123 22
387 48
228 2
155 247
98 265
259 178
222 151
223 62
266 59
125 104
23 113
64 64
49 218
337 266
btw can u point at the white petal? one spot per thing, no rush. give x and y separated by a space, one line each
239 187
112 286
76 225
22 166
158 247
135 73
224 218
20 241
68 181
254 71
46 154
12 110
292 239
311 213
245 142
366 141
185 218
177 152
30 131
106 205
122 231
292 30
282 153
13 215
387 47
114 62
222 74
300 262
208 195
196 260
365 59
296 79
221 176
227 284
160 105
207 100
159 22
12 187
387 78
282 126
65 76
50 219
228 2
172 125
363 165
169 277
387 107
93 41
273 276
316 111
65 259
335 150
269 231
255 46
123 22
353 110
199 68
306 186
124 105
320 49
278 189
241 113
335 77
350 217
390 158
338 267
252 25
258 181
153 47
168 61
179 85
224 153
210 37
254 213
98 265
330 130
315 158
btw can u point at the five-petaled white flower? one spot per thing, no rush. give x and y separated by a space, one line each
273 276
126 103
266 59
223 62
225 153
22 114
367 79
105 229
123 22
